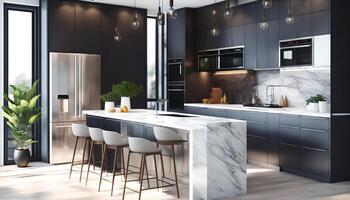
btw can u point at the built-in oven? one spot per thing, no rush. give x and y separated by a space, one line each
175 70
297 52
231 58
208 60
176 96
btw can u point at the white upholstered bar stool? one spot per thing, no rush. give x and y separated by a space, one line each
169 137
145 148
114 140
80 131
96 139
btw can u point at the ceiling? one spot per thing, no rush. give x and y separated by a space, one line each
152 5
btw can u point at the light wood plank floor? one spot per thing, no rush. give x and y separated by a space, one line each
45 182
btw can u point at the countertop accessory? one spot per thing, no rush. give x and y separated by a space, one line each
313 103
215 95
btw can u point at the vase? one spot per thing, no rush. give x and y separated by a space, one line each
109 106
323 106
313 107
125 101
21 157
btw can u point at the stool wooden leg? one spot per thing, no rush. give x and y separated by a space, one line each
155 167
126 175
161 162
177 185
114 166
75 149
102 162
93 161
142 170
83 159
122 149
90 155
146 171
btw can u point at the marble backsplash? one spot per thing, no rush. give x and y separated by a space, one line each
297 85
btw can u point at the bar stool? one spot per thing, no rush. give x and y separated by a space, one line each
80 131
96 138
169 137
113 140
145 148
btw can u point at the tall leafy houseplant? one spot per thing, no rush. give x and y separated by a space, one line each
125 90
21 114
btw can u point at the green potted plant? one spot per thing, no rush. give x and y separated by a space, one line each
313 102
110 98
125 90
21 114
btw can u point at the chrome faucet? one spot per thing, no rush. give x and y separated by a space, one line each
159 101
271 96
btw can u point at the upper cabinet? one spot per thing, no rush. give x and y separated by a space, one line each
61 26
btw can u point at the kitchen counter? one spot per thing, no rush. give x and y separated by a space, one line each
288 110
217 168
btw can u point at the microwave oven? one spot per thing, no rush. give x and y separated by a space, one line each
296 53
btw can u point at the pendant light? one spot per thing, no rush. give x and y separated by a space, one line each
172 12
290 16
264 24
228 10
117 35
135 23
266 4
160 15
214 31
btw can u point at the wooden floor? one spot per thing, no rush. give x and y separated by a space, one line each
45 182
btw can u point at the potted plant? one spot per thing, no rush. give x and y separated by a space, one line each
21 113
125 90
110 98
313 102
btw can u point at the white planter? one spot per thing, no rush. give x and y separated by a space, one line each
313 107
109 106
125 101
323 106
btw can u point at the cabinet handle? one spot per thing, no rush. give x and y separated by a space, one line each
310 129
315 149
291 145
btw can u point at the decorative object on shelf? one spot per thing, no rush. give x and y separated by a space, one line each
206 101
117 35
283 101
215 95
313 103
110 98
264 24
125 90
224 99
21 114
228 10
160 15
172 12
135 23
323 106
214 31
266 4
290 16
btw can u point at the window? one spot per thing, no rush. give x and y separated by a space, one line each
20 56
152 83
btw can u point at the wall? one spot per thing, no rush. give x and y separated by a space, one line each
22 2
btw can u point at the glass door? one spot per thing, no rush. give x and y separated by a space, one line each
21 65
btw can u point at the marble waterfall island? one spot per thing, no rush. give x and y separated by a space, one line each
217 159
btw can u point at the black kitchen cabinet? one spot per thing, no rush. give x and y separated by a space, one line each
176 35
320 5
273 44
234 114
203 18
302 7
273 141
250 11
61 26
222 40
250 46
321 23
287 31
88 22
238 16
216 112
303 25
135 130
237 38
262 48
290 160
196 110
315 163
203 40
95 122
111 125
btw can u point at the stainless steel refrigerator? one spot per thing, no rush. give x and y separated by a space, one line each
74 86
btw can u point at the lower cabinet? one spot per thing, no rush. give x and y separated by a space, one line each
315 163
290 157
257 148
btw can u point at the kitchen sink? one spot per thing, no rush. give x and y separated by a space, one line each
175 115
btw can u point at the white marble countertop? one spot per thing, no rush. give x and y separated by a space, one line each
149 117
288 110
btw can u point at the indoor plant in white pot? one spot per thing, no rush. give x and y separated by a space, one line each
21 114
313 103
125 90
110 98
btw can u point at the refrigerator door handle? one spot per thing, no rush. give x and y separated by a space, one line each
76 86
80 86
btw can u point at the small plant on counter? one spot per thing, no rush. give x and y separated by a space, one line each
110 97
127 89
315 99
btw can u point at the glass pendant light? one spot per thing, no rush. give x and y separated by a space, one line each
135 23
266 4
214 31
172 12
264 24
228 10
290 17
117 35
160 15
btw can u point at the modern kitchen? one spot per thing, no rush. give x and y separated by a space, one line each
174 99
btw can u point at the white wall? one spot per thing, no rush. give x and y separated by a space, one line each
22 2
